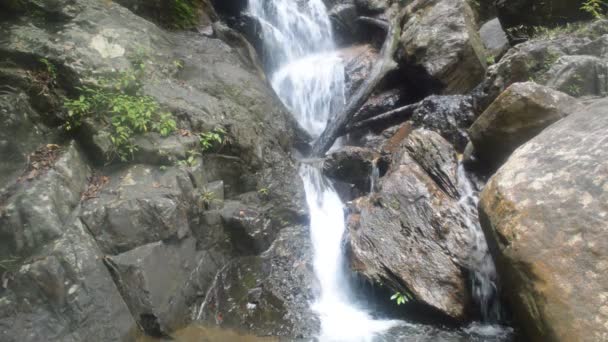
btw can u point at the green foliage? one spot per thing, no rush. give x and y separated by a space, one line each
190 160
264 191
184 13
597 8
119 102
490 60
212 138
50 68
10 264
208 197
401 298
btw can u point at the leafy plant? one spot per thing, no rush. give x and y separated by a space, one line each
596 8
264 191
190 160
212 138
51 70
490 60
208 197
119 102
401 298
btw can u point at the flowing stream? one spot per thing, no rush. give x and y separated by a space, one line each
308 76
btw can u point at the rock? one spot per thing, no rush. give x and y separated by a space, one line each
579 75
494 39
20 134
358 63
140 205
440 43
529 13
544 213
250 232
382 102
156 282
374 6
537 60
268 295
343 17
186 14
450 116
34 213
518 114
63 293
412 236
353 165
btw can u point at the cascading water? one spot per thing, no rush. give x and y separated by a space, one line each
308 76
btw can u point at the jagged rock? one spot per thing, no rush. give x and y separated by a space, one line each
268 295
139 205
537 60
353 165
450 116
250 231
157 282
518 114
381 103
494 38
544 214
440 48
412 236
374 6
34 213
358 63
343 17
529 13
63 293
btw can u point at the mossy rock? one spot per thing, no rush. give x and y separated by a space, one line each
173 14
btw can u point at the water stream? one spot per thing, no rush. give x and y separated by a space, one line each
308 76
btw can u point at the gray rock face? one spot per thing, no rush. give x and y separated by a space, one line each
579 75
34 214
412 235
353 165
63 293
494 38
156 281
441 41
268 295
140 205
518 114
358 63
544 215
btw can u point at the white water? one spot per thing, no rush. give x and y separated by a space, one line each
308 76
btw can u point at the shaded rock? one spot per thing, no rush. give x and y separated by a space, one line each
544 213
343 17
155 281
494 38
381 103
528 13
268 295
517 115
440 42
450 116
63 293
353 165
411 235
249 230
374 6
185 14
20 134
33 214
140 205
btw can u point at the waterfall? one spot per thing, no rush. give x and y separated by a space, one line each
483 277
308 76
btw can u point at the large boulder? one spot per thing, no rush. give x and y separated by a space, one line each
185 14
544 214
412 235
517 115
494 39
440 47
358 63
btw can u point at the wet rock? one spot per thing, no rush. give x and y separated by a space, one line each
382 102
140 204
412 236
34 212
343 17
174 15
353 165
63 293
543 214
518 114
374 6
440 42
448 115
249 230
358 63
268 295
528 13
494 38
156 281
